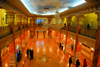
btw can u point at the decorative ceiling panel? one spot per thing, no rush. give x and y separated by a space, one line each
37 6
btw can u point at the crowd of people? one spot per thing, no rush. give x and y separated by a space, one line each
30 53
77 62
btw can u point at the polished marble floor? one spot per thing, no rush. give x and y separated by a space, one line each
46 54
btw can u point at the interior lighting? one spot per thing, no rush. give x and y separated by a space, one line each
92 49
50 49
56 23
70 52
83 1
38 50
58 50
23 62
63 57
71 38
61 61
44 49
6 65
68 64
45 25
69 55
25 55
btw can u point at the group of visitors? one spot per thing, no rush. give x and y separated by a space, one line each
30 53
77 62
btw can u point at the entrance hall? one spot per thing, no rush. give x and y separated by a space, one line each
47 54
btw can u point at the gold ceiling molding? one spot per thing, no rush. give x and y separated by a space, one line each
82 9
22 5
9 6
42 16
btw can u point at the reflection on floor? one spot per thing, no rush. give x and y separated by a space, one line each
46 54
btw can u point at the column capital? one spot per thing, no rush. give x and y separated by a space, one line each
34 19
69 20
23 19
98 19
10 13
49 19
98 14
80 19
18 17
62 19
10 16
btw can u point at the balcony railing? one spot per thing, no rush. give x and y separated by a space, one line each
39 25
72 29
4 31
16 27
84 31
22 26
88 32
64 28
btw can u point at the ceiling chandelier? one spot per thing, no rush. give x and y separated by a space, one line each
56 22
45 25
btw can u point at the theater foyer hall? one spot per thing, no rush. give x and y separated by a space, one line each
47 33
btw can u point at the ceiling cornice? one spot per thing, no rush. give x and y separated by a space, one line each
83 7
18 4
22 5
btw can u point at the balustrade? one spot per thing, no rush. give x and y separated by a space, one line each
72 29
16 27
22 26
5 30
88 32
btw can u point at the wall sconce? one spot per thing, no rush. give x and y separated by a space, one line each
92 49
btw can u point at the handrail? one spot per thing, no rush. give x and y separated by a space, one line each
16 27
4 31
88 32
72 29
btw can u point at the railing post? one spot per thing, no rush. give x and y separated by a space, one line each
77 51
96 57
67 47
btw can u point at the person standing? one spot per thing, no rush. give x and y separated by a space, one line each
27 53
77 63
70 61
72 46
84 63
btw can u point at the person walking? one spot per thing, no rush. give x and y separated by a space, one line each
84 63
27 53
77 63
70 61
31 54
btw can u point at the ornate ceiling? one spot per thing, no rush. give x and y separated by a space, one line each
37 6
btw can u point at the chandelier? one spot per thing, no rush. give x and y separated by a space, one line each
45 25
56 22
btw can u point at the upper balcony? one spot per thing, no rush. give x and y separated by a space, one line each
84 31
5 31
